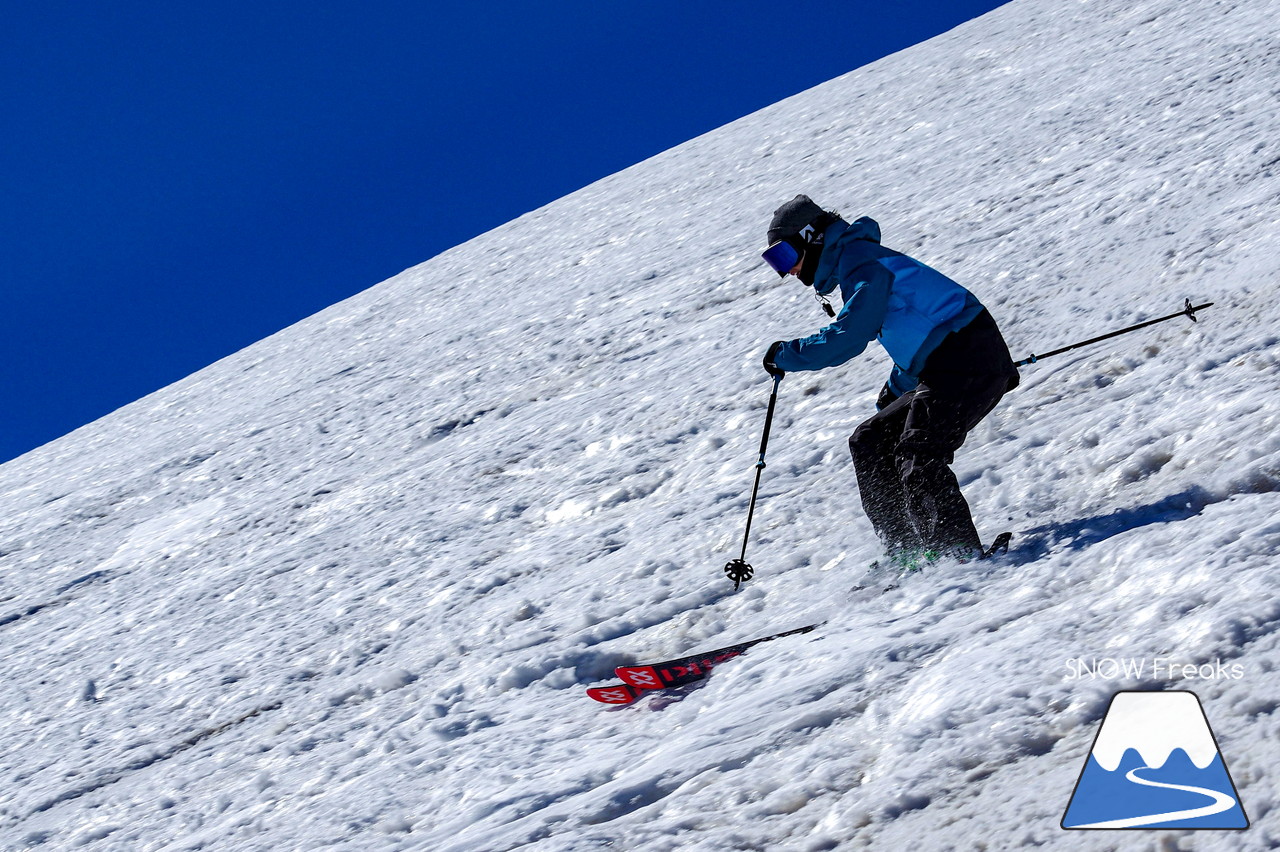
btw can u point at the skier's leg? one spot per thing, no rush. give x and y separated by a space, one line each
884 498
937 422
960 384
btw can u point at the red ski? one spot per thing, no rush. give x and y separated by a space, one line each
618 693
672 673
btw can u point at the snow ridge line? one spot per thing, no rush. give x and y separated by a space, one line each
107 778
35 609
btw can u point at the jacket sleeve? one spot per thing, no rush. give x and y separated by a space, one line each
855 326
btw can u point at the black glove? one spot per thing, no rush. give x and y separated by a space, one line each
770 367
886 397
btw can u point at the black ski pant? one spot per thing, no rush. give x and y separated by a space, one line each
902 455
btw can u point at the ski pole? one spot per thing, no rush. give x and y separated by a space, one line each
1187 311
738 570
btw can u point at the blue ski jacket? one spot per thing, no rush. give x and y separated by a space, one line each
888 296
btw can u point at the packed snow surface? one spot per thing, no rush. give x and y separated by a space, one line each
346 588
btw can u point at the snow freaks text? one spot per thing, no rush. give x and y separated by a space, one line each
1157 668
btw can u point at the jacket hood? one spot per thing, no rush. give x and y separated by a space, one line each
837 237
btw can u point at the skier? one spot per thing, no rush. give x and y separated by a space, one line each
951 367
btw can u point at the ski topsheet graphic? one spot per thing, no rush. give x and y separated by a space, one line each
1155 764
683 670
618 693
674 673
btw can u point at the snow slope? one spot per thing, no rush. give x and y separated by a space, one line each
345 588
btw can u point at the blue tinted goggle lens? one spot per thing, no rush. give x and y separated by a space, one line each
782 257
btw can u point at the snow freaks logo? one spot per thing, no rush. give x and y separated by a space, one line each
1160 668
1155 764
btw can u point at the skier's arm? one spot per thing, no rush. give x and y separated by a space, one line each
855 326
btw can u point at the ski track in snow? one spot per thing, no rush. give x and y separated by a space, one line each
344 589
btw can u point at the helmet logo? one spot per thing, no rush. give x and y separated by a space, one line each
811 235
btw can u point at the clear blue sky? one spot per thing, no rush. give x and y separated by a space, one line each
180 180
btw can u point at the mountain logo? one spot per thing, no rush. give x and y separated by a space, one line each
1155 764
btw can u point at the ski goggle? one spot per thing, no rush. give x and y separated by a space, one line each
782 256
